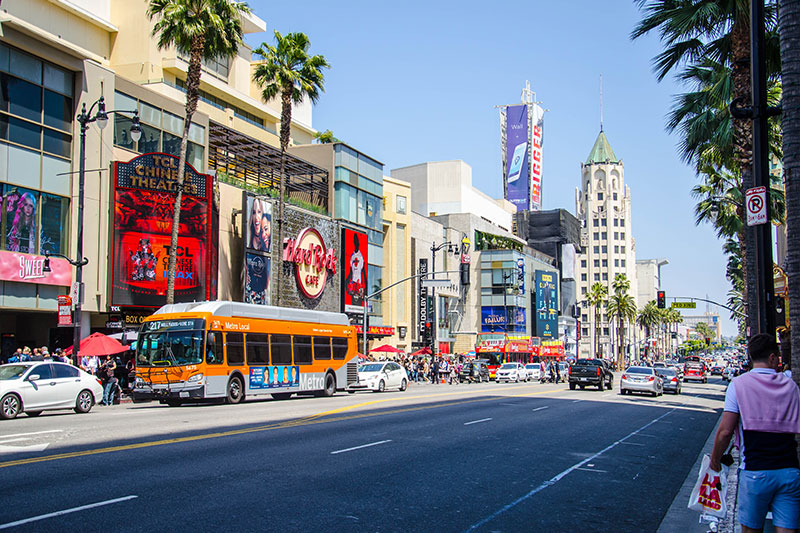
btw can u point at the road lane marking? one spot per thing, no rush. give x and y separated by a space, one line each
576 401
66 511
477 421
633 444
362 446
592 470
540 408
34 433
558 477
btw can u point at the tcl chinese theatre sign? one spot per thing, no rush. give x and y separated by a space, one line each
313 261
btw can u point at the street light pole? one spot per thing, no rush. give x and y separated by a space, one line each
434 248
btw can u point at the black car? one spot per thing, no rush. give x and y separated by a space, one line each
474 371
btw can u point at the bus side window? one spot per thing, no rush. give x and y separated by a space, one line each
339 347
281 349
322 348
257 349
214 348
234 345
302 349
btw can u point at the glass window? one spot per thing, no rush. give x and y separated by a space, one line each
597 249
173 124
197 133
362 209
281 349
616 262
583 263
597 277
150 141
596 235
124 102
26 66
322 347
616 222
340 347
21 98
234 345
25 133
55 210
58 79
615 196
616 235
4 58
616 249
599 196
604 235
172 144
122 128
401 205
302 350
605 276
622 222
257 349
43 371
19 223
583 290
214 348
57 111
583 277
149 114
605 249
65 371
195 156
603 222
622 249
605 263
595 223
374 278
55 142
622 235
622 263
605 331
597 262
374 212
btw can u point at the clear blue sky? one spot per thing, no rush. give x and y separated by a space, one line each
418 81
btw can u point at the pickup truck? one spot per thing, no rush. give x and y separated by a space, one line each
593 372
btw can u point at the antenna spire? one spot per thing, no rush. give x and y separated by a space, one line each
601 102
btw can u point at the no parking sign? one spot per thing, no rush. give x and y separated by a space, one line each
756 202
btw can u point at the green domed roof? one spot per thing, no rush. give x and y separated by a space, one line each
601 151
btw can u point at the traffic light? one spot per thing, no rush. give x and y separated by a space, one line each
661 298
427 331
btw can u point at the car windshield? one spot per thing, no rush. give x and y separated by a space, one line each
532 366
694 366
372 367
170 343
639 370
666 372
12 371
508 366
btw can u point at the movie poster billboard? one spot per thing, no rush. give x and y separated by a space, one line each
537 132
517 171
257 249
144 198
546 305
354 268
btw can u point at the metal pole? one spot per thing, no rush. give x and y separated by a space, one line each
505 302
365 322
83 119
764 297
433 306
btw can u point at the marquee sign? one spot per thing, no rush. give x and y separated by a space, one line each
312 261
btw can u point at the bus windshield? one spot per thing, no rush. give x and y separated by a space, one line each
170 343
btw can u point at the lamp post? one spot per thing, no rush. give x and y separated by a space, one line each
85 118
456 250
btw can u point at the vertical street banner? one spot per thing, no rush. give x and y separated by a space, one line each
354 268
257 249
517 170
537 132
423 297
546 305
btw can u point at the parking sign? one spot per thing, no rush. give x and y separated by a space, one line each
756 202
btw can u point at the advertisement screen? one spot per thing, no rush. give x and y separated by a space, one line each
517 163
546 305
354 267
536 162
142 219
257 249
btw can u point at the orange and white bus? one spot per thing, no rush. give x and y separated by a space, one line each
499 348
195 351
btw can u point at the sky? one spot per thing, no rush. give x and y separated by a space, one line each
417 81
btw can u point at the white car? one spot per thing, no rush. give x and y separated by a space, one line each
36 386
511 372
532 371
379 376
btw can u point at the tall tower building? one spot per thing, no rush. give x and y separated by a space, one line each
603 205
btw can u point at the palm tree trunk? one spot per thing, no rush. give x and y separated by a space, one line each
286 120
192 86
789 27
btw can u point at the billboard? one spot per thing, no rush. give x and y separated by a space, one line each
516 157
546 305
143 202
257 249
494 317
354 268
537 131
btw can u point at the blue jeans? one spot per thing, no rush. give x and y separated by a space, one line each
770 490
108 392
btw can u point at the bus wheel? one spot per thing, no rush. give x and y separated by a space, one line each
235 390
330 386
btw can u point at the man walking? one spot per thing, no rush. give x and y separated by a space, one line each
762 411
108 369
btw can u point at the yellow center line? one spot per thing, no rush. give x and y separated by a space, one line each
304 421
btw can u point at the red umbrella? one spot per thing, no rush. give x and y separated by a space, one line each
98 344
386 348
423 351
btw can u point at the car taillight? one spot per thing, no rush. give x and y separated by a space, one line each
598 371
569 370
674 380
624 376
98 382
651 378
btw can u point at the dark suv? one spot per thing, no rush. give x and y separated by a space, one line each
474 371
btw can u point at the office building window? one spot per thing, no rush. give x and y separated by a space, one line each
603 222
583 290
597 249
605 276
605 249
615 196
597 276
604 235
622 235
401 205
605 331
623 263
616 222
616 235
605 263
622 222
599 196
595 223
622 249
616 249
583 263
597 235
616 262
583 277
597 263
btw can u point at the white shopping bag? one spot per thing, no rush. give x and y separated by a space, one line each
710 491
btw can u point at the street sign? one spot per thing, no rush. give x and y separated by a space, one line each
684 305
64 310
437 283
756 201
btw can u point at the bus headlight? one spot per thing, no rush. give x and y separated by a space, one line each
195 378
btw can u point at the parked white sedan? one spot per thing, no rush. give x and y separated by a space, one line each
532 371
36 386
511 372
379 376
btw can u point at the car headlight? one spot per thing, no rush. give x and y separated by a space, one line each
195 378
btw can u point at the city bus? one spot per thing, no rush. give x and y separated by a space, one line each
229 350
499 348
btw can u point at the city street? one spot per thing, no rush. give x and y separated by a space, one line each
490 457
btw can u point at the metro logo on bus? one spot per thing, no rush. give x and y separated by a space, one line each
312 261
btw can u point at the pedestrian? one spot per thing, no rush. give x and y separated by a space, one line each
426 368
762 412
16 357
435 371
107 370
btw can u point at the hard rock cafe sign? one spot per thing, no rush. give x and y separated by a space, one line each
312 260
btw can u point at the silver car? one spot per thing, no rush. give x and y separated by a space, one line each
511 372
670 379
641 379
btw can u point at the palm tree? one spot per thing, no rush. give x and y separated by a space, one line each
325 137
674 317
622 306
597 298
648 318
202 30
790 60
704 331
288 71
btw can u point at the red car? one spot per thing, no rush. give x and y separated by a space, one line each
695 371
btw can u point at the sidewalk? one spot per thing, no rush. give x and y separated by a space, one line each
681 519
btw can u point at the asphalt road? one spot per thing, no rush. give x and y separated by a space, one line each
491 457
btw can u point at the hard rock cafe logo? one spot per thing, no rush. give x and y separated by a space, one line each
312 261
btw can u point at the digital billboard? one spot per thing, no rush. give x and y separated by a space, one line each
144 198
354 269
537 132
257 249
546 305
517 174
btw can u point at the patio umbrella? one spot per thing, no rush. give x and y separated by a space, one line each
386 348
423 351
98 344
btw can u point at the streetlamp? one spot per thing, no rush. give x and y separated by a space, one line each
454 249
85 118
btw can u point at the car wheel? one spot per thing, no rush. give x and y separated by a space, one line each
582 386
381 386
33 414
351 392
235 391
571 386
622 392
10 406
174 403
330 386
403 385
84 402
